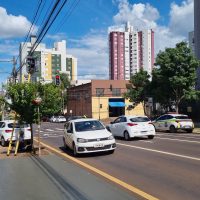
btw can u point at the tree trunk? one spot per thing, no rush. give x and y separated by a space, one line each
32 146
144 107
177 111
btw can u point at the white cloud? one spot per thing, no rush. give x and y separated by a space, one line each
13 26
91 51
182 17
143 16
9 47
57 37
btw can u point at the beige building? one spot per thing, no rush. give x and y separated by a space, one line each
101 99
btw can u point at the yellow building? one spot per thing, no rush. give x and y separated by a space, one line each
101 99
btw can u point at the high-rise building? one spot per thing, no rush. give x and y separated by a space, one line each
49 62
191 41
197 37
130 51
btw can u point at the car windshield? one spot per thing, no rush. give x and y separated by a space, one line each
17 125
181 117
88 126
140 119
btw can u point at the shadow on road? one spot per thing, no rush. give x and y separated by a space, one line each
84 155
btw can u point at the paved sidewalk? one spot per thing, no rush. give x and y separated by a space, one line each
52 178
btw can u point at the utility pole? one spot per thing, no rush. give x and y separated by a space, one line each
14 62
14 73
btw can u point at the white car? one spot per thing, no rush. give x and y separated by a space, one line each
132 126
58 119
87 136
21 132
174 122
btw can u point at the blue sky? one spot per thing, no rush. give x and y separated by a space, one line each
86 29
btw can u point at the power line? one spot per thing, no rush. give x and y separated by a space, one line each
44 27
32 23
43 32
59 10
68 14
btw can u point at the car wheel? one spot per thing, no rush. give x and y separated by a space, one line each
3 142
172 129
126 136
189 131
75 154
151 137
65 145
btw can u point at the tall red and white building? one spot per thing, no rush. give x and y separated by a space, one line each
130 51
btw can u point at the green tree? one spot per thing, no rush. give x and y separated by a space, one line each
139 90
65 83
175 76
23 94
51 99
2 103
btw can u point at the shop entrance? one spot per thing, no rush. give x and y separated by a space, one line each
116 107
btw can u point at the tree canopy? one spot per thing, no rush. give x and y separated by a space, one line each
23 94
139 91
175 76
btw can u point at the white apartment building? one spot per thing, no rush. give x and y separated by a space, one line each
49 62
138 51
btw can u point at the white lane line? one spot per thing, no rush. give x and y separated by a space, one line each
50 136
146 141
161 152
49 130
179 136
198 142
60 129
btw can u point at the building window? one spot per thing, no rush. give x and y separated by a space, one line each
100 92
116 92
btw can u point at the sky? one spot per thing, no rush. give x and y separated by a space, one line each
84 25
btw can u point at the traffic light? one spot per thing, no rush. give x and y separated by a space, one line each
30 62
57 80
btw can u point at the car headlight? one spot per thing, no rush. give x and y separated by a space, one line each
82 140
110 137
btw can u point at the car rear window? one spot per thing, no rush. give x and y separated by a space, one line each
181 117
140 119
11 125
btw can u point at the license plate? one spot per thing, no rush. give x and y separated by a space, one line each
187 126
98 145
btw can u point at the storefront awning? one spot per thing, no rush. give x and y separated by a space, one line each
116 104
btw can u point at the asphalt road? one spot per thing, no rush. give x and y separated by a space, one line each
167 167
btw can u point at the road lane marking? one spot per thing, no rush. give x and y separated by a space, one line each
49 130
105 175
146 141
198 142
59 129
162 152
51 136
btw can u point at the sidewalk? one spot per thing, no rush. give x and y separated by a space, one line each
50 177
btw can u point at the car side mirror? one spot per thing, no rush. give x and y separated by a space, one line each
112 122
